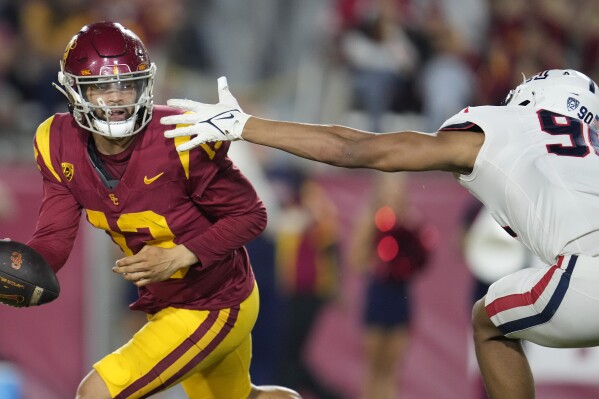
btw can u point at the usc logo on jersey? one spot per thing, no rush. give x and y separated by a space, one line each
113 198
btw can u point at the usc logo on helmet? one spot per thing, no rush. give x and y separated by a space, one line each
68 170
70 46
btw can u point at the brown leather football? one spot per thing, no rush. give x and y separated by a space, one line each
26 279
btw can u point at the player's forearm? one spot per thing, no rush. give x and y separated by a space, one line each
346 147
55 253
226 236
334 145
57 225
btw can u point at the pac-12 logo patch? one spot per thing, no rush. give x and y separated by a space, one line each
572 103
68 170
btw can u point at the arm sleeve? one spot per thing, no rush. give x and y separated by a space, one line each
57 224
59 213
238 214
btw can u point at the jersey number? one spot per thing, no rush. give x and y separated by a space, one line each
556 124
132 222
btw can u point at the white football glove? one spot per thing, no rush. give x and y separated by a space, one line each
208 122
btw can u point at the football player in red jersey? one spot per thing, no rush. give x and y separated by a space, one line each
181 219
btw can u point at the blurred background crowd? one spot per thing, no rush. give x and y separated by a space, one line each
336 239
309 60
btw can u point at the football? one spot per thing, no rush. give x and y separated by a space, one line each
25 277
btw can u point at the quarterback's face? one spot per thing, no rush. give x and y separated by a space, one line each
115 95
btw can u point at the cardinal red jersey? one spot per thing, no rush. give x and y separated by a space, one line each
196 198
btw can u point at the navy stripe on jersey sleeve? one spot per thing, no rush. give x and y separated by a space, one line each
469 126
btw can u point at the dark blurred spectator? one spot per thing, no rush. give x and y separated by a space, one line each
9 94
390 243
586 37
307 258
524 37
446 80
381 59
45 27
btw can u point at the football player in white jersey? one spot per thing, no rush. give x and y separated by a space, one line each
533 162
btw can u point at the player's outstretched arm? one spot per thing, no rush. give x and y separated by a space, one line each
334 145
351 148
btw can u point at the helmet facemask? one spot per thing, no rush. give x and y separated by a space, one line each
95 116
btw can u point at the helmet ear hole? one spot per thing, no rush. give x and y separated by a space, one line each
525 103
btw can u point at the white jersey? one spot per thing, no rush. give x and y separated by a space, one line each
538 174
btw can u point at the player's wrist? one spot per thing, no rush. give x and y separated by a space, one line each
238 126
252 125
184 256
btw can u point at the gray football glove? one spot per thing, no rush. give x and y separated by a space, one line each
207 122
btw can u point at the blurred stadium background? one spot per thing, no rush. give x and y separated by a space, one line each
371 64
